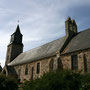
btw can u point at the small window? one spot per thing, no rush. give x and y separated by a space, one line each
26 70
74 62
38 68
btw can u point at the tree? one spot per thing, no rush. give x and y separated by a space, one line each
8 83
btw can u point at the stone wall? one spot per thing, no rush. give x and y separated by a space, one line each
13 50
44 67
52 63
83 58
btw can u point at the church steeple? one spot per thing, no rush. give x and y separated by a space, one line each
16 37
18 29
15 46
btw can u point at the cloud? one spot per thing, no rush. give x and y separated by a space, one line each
41 21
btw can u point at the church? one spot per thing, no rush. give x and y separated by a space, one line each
71 51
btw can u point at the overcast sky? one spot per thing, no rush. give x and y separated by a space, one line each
41 21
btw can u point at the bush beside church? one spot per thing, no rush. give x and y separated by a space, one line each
8 83
61 80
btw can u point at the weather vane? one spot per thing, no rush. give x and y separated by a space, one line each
18 21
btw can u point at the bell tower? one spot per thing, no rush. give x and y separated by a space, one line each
15 46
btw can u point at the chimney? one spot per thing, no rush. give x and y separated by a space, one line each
74 26
70 27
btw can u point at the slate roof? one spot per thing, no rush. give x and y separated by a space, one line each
40 52
79 42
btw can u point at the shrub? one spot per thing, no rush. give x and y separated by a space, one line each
59 80
85 79
8 83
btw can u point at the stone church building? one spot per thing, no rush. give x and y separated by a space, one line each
71 51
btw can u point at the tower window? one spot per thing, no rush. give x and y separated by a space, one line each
26 70
12 38
38 68
74 62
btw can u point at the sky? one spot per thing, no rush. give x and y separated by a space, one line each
40 21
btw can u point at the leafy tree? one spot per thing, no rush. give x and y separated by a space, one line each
8 83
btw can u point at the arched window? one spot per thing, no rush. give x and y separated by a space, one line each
26 69
74 62
60 65
32 70
85 63
38 68
51 65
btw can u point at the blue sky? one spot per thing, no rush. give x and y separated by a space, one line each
41 21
